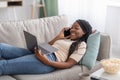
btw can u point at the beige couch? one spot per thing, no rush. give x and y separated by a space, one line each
45 29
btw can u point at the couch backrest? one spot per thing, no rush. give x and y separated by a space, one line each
104 50
44 29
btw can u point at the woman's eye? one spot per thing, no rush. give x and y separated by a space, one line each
77 28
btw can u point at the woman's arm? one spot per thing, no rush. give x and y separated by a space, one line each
61 65
55 39
69 63
59 36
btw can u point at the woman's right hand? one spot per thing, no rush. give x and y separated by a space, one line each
61 34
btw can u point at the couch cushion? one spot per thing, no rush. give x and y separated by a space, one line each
11 33
64 74
90 56
5 77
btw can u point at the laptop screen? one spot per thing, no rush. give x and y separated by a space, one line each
31 41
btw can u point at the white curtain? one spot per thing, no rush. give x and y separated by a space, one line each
93 11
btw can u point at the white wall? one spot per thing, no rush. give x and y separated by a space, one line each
18 13
113 28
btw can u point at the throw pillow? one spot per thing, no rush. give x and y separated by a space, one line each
90 56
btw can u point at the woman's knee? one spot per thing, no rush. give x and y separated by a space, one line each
4 46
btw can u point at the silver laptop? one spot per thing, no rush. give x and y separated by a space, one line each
31 43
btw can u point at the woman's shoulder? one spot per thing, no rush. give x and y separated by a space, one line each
82 44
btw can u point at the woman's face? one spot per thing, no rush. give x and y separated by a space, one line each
76 31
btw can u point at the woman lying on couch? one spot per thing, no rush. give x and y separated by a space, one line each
70 51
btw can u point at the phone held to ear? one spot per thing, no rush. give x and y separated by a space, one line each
67 32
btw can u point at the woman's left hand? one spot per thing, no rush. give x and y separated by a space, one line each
43 58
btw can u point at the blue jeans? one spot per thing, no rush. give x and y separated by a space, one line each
22 61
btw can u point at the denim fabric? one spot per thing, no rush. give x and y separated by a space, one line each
22 61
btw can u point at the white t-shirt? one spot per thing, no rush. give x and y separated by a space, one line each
63 46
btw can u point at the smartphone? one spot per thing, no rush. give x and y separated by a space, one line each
67 32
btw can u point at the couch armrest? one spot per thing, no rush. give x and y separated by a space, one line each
104 50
